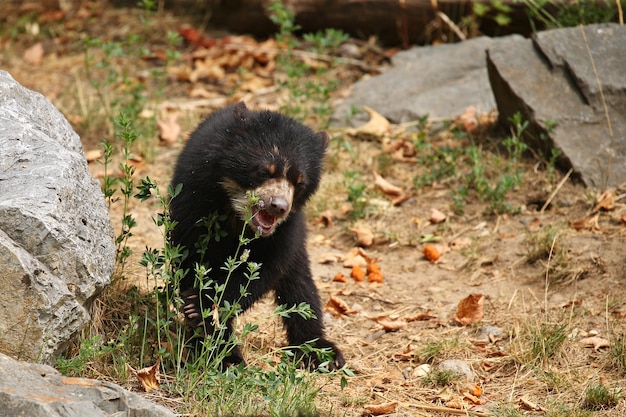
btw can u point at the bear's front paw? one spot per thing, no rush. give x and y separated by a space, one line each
331 359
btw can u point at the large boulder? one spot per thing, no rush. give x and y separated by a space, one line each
570 84
35 390
56 241
438 81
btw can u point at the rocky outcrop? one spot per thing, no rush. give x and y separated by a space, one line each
570 84
35 390
438 81
56 240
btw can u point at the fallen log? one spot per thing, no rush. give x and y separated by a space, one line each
399 22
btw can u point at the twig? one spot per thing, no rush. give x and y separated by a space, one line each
452 25
556 190
448 410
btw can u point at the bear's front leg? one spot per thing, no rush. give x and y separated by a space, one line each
297 287
208 341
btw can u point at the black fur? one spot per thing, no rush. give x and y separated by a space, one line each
234 150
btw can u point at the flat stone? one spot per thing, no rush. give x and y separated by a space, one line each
35 390
438 81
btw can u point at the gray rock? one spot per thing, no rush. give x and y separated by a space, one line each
56 240
552 79
458 367
438 81
35 390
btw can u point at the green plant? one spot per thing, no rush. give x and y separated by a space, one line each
495 191
441 378
284 389
441 349
546 246
553 14
113 70
617 354
357 194
503 410
546 341
598 396
309 86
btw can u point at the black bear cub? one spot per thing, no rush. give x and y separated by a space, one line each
235 157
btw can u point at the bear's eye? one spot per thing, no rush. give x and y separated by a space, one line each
300 180
271 169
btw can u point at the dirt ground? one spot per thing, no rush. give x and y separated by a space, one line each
481 253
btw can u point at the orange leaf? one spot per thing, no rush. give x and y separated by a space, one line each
375 277
587 223
337 307
147 377
386 187
431 253
470 309
357 273
339 278
378 125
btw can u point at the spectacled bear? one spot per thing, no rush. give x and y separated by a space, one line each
234 155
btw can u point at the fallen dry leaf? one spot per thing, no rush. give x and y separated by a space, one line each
325 218
470 310
473 398
356 257
431 253
34 54
377 126
588 223
379 409
93 155
436 216
406 355
386 187
419 316
330 258
390 324
169 129
468 119
455 403
596 342
605 201
338 308
530 405
340 278
147 377
364 235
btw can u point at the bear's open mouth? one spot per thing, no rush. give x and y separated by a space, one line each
263 222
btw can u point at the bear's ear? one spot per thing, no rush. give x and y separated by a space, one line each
241 111
323 137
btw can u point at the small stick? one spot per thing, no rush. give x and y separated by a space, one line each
556 190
